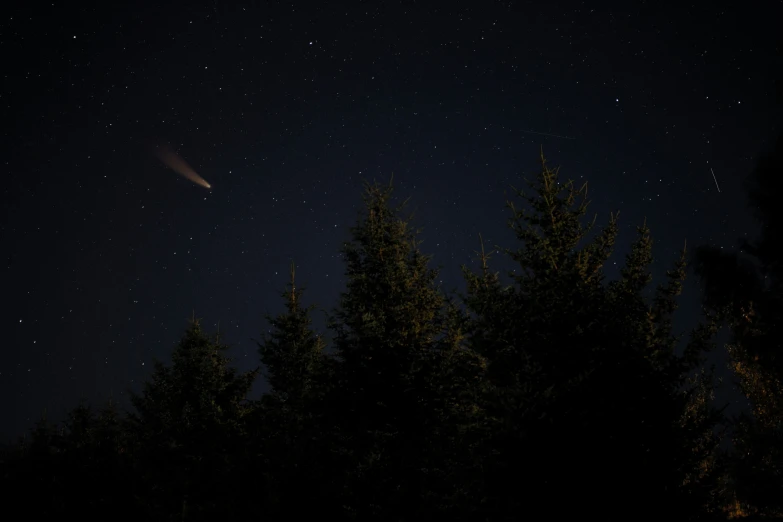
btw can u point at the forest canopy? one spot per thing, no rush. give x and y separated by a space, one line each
554 393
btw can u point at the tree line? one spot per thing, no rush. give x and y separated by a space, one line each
551 392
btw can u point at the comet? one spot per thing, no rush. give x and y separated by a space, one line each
172 160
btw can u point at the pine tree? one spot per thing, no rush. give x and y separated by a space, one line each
705 426
748 295
386 326
289 421
36 466
581 374
58 463
96 449
189 422
292 353
456 427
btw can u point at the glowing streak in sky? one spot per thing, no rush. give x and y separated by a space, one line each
716 179
172 160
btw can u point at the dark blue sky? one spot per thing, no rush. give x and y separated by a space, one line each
286 108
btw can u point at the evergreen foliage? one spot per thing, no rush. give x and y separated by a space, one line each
289 417
386 328
582 376
292 352
745 293
546 393
187 422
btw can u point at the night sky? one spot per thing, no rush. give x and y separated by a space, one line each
285 109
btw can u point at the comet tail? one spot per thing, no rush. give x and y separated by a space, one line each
172 160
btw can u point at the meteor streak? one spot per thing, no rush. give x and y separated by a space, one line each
172 160
716 179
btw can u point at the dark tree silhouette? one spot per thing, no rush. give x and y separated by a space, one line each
290 416
747 293
386 327
81 466
188 422
582 376
549 392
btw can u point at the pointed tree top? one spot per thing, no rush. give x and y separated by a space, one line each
293 282
484 256
293 271
193 320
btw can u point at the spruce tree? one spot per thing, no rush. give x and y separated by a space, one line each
386 328
452 464
58 463
292 353
705 480
582 375
746 291
35 467
189 425
96 448
289 421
